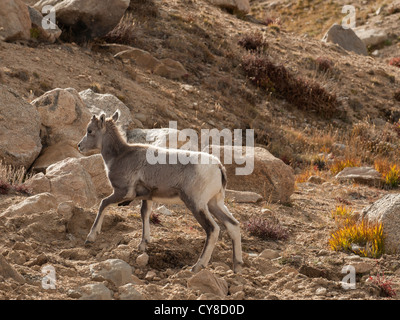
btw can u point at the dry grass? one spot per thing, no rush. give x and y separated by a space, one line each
12 179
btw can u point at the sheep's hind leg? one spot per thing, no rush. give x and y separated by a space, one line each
221 212
145 212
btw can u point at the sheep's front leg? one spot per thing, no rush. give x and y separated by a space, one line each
145 212
115 197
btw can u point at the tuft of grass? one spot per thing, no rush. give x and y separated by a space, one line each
392 178
276 79
342 213
12 180
266 229
324 64
362 238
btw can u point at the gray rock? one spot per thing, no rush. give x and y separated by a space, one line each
115 270
15 22
345 38
142 260
64 116
107 103
34 204
241 6
206 282
90 18
128 292
7 271
269 254
387 211
19 129
46 35
96 291
362 175
371 36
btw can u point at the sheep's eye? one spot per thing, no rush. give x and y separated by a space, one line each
89 131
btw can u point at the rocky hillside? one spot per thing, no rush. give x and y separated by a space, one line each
315 106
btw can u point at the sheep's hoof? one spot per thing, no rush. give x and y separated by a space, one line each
238 267
88 242
196 268
143 246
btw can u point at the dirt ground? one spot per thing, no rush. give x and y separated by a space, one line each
305 269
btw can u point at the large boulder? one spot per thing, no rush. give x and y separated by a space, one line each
346 38
240 6
64 116
270 177
15 23
107 103
87 18
371 36
19 129
386 211
82 180
38 32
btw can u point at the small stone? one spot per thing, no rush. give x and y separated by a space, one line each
115 270
163 210
96 291
128 292
142 260
320 291
150 275
269 254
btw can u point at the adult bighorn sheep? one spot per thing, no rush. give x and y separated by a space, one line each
200 186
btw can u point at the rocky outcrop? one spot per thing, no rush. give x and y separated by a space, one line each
64 116
87 18
19 129
82 180
346 38
15 23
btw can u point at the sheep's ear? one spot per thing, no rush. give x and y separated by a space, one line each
102 120
116 115
94 117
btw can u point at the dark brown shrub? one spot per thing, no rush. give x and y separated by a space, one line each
265 229
302 93
253 42
395 62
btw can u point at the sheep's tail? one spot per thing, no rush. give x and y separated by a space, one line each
224 176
